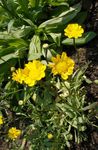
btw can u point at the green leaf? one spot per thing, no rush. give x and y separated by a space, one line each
10 25
91 106
21 32
35 48
81 17
16 33
13 47
34 3
11 4
87 80
83 40
61 20
60 3
5 35
96 81
30 23
56 37
5 67
24 5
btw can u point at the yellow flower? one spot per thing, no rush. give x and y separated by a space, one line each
33 71
1 120
36 72
18 75
73 31
50 136
14 133
62 65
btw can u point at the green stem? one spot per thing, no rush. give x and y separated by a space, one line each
23 144
46 55
19 62
25 94
74 43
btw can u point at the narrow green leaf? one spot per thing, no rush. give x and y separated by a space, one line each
24 5
34 3
91 106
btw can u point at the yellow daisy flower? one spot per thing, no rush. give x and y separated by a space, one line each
62 65
18 75
36 72
14 133
1 120
50 136
73 31
33 71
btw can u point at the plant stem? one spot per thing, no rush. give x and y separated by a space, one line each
46 55
74 43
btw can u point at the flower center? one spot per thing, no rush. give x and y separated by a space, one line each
61 67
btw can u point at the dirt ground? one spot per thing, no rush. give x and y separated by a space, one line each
89 53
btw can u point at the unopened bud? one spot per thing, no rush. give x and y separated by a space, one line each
45 46
20 102
12 69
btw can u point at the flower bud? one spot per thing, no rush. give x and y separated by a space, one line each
20 102
13 69
45 46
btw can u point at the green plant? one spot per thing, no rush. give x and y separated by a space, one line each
52 111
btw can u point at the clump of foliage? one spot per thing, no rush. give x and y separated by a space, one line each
43 99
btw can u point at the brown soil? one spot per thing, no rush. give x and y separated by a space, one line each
89 53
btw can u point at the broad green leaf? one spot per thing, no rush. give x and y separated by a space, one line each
83 40
13 46
22 32
35 48
5 35
5 67
16 33
18 54
56 37
81 17
30 23
62 19
10 25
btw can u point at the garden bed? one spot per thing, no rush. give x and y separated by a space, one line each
27 39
